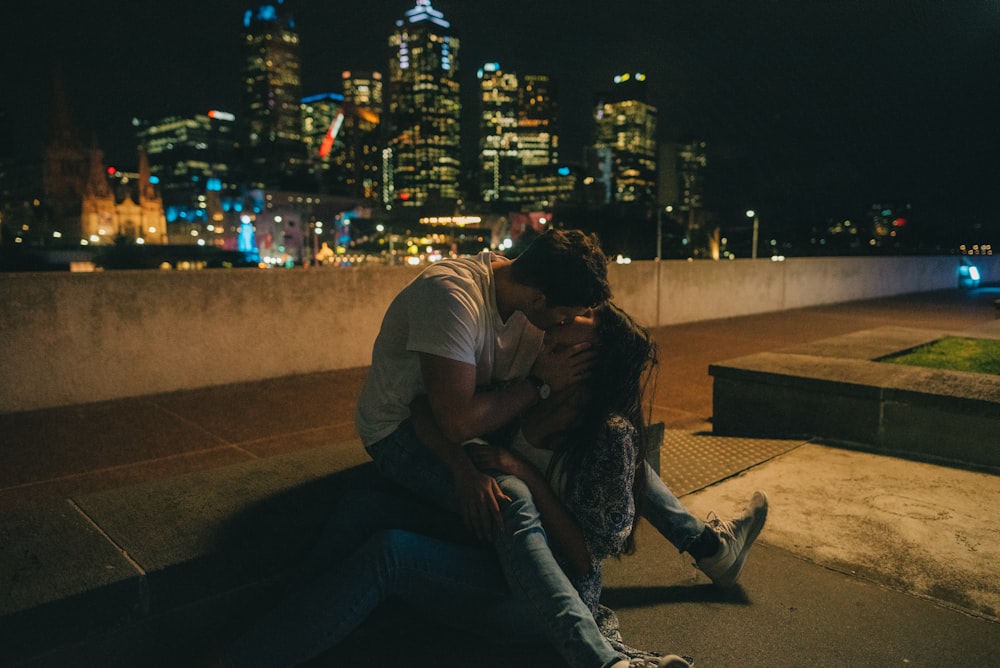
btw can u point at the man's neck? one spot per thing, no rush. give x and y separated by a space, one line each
505 289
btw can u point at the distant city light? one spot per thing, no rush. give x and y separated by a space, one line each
451 220
221 115
424 12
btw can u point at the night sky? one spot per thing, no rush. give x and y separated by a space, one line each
812 109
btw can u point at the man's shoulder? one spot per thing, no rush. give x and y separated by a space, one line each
468 274
472 266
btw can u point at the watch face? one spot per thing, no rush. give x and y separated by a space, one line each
544 390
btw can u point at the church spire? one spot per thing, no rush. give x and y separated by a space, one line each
147 191
97 182
62 132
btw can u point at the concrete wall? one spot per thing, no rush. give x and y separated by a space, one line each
76 338
674 292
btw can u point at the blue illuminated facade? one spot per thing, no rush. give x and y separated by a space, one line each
271 135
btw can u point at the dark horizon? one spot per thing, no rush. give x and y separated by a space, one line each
810 112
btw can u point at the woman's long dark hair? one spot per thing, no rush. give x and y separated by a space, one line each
626 364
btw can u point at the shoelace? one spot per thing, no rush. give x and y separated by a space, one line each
720 525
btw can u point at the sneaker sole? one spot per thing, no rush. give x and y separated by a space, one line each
729 578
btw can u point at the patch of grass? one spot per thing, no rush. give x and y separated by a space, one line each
954 353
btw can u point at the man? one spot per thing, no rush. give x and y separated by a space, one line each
467 324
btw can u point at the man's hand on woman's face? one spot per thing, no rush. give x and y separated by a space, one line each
561 366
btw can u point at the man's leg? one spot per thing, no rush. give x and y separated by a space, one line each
402 458
361 513
459 586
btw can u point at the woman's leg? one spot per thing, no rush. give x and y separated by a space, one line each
456 585
536 577
665 512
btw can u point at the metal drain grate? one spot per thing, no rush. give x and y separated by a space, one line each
690 461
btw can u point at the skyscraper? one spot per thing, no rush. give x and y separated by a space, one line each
322 121
362 155
682 175
272 129
538 180
518 145
682 184
497 132
191 156
424 110
625 144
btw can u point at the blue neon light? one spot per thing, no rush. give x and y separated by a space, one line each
333 97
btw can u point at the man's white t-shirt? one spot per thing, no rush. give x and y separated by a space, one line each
448 310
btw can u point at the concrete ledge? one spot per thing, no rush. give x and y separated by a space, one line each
109 561
90 565
834 390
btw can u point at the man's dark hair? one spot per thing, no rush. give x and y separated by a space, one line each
568 266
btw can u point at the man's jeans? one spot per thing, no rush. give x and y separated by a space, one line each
362 560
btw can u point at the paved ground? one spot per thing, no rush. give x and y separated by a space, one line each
867 561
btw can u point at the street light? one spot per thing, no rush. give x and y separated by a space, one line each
659 229
753 250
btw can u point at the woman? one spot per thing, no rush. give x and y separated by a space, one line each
579 454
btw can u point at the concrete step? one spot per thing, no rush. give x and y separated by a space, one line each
98 562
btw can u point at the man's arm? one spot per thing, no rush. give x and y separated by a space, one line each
477 492
564 534
461 412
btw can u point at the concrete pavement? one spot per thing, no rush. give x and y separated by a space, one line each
131 530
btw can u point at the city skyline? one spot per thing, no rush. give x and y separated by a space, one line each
826 106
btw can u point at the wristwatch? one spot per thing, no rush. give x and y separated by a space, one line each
543 388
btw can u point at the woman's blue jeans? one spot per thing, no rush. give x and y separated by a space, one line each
665 512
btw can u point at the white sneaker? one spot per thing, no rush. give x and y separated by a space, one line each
736 537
